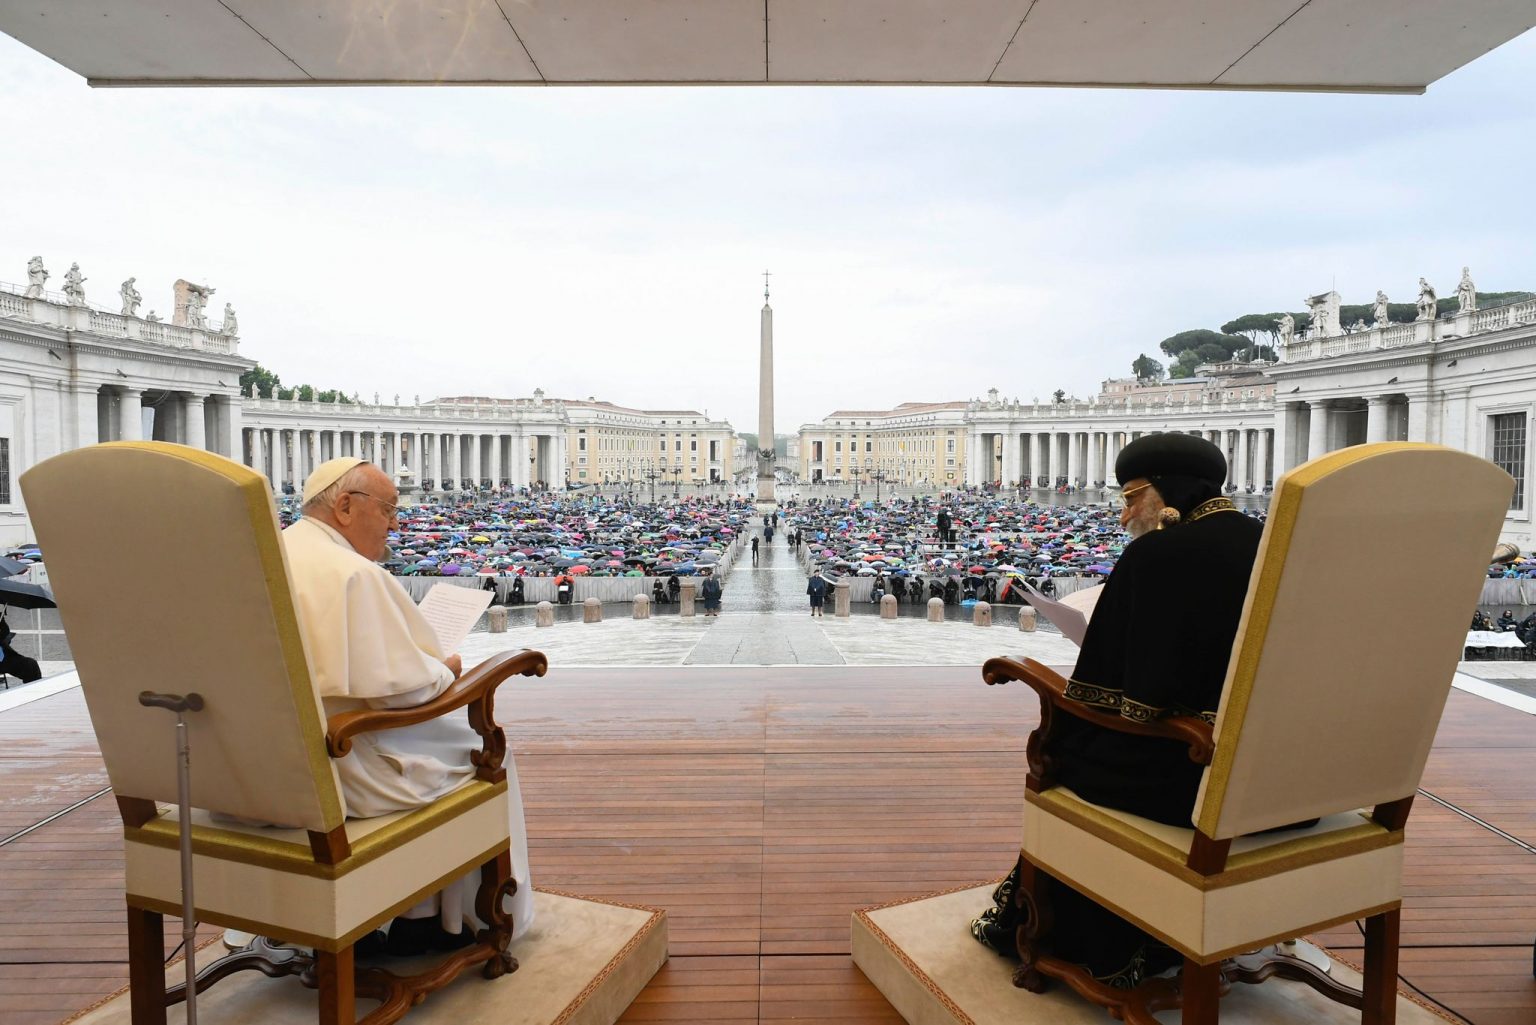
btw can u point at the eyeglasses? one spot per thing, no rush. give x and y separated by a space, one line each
390 511
1127 498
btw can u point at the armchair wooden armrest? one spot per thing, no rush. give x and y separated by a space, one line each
1052 688
476 688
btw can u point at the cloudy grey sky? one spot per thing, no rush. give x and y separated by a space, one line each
925 244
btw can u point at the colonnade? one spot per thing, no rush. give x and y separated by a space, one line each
1308 429
205 421
1086 458
437 460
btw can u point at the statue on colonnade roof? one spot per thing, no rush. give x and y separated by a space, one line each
37 276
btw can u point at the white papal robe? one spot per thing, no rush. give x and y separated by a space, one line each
370 647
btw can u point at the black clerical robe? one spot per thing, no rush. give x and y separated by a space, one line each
1157 645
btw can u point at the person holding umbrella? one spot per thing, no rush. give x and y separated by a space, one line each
20 595
13 662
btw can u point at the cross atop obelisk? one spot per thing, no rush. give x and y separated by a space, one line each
765 439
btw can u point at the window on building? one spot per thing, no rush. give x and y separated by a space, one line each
1509 451
837 446
693 446
949 444
581 443
5 471
869 446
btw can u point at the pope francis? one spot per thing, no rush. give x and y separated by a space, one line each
370 647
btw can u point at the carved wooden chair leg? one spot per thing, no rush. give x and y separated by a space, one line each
146 966
1200 990
1380 983
1032 895
1256 968
496 888
338 994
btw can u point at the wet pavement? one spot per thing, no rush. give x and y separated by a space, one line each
765 620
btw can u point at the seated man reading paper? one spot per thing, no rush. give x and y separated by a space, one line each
370 647
1157 645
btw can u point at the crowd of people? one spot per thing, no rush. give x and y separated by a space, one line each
551 534
969 546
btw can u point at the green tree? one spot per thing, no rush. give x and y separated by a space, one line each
1146 368
1184 365
1177 345
265 380
1254 326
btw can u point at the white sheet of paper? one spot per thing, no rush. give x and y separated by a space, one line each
1070 615
453 611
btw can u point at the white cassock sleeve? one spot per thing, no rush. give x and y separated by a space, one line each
370 647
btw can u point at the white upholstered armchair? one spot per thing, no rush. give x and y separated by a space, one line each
1370 566
170 577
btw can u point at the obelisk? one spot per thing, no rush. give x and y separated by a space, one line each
765 439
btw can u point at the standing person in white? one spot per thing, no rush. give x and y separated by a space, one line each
370 647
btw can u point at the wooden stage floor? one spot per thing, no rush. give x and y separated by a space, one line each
760 807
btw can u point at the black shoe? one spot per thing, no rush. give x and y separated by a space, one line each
375 944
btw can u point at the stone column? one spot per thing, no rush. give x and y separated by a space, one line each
1074 459
261 452
1287 425
1112 448
496 461
1317 430
1418 418
475 472
130 415
84 426
1241 478
1010 456
1376 418
279 458
197 435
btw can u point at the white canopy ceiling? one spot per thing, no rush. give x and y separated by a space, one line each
1354 45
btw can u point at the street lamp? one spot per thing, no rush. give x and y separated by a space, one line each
650 473
879 479
677 481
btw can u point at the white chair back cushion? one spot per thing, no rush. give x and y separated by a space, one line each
170 577
1371 564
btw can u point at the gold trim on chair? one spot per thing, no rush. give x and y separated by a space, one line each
1243 867
1254 627
315 940
1065 877
296 857
256 493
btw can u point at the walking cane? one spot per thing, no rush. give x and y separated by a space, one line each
180 705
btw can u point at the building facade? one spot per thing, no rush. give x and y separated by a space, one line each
616 444
74 374
1465 379
915 443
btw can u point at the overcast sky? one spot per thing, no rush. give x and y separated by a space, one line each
925 245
